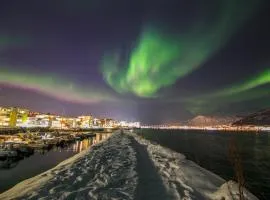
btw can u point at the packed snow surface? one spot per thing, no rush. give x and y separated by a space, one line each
126 166
106 171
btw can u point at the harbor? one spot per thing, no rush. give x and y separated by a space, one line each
35 160
14 148
124 166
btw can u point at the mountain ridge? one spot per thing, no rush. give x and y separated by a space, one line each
261 118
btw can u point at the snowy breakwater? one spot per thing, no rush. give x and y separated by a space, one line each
106 171
109 170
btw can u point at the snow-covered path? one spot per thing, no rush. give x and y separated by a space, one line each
150 185
126 166
107 171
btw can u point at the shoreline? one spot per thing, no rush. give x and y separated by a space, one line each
16 130
37 181
110 169
212 128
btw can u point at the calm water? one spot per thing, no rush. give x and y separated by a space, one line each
42 161
210 150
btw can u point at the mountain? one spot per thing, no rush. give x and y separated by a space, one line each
211 120
261 118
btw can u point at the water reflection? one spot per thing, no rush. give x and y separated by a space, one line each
75 147
80 146
100 137
40 161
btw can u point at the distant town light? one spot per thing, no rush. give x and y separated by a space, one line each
20 117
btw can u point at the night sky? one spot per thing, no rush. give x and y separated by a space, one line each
155 61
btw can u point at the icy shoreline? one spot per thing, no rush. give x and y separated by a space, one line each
109 170
185 179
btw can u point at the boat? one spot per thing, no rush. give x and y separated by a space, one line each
5 153
51 141
77 138
25 150
8 164
38 145
20 147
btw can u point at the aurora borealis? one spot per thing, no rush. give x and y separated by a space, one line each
258 80
140 60
240 92
54 86
156 52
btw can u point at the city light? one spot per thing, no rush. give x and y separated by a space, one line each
12 117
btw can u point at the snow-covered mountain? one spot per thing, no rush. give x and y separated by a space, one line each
261 118
201 120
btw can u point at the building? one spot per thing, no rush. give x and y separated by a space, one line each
96 123
108 123
13 116
5 116
19 117
22 116
84 122
65 122
126 124
39 120
134 124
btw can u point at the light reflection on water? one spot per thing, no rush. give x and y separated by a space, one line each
80 146
44 160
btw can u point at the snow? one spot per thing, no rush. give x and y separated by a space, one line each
229 189
184 179
106 171
109 170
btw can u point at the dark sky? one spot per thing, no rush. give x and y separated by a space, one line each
154 61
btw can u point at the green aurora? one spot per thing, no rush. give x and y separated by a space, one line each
157 61
256 81
254 88
160 59
55 87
